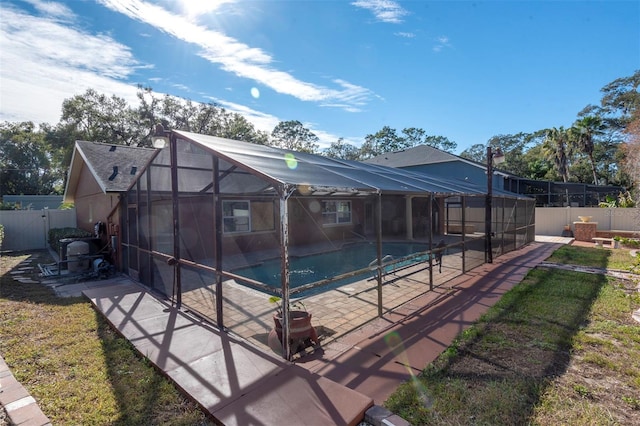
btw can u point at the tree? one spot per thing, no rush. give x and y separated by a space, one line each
476 152
621 97
583 134
97 117
536 164
416 136
631 150
514 147
234 126
204 118
25 163
342 150
557 148
384 140
292 135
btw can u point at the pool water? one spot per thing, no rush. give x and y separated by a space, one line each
309 269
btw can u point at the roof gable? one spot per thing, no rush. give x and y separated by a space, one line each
114 167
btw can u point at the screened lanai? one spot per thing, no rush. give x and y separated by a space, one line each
219 226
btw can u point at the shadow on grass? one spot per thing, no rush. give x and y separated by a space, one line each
496 371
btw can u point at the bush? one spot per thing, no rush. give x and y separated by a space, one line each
630 242
57 234
1 235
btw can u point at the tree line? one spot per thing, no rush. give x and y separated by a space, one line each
602 146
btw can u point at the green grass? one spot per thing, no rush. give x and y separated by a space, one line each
76 366
559 348
597 257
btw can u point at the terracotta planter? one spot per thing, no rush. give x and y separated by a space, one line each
300 327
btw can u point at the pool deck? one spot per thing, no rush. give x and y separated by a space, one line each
238 383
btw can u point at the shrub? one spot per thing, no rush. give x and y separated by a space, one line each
630 242
56 234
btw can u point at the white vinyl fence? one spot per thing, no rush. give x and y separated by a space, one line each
551 220
29 229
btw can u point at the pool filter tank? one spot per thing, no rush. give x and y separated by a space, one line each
75 251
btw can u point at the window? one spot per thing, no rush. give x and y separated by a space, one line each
235 216
248 216
336 212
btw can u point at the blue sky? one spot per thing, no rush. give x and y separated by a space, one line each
467 70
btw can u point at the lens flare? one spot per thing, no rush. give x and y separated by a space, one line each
291 161
394 342
304 189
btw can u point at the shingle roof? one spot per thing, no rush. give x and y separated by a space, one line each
115 167
416 156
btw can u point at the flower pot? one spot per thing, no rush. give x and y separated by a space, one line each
300 327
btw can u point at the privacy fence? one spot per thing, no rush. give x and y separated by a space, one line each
29 229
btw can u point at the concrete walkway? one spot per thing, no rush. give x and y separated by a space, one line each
233 381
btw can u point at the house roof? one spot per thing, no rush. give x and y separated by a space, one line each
422 155
320 175
114 167
416 156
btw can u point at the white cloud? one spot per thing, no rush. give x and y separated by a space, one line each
384 10
193 9
405 35
261 121
52 9
267 122
45 61
441 43
236 57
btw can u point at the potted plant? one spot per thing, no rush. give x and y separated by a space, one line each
301 332
616 241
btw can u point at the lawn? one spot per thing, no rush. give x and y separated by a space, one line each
73 363
559 348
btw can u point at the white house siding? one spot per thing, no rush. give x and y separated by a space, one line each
29 229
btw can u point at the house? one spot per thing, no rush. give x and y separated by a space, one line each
427 159
430 160
196 213
99 175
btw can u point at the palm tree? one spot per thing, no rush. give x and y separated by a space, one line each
582 134
557 147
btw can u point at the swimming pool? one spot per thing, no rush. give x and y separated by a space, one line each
310 269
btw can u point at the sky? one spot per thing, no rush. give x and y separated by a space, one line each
466 70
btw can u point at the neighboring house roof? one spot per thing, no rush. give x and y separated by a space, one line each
114 167
416 156
322 175
421 155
